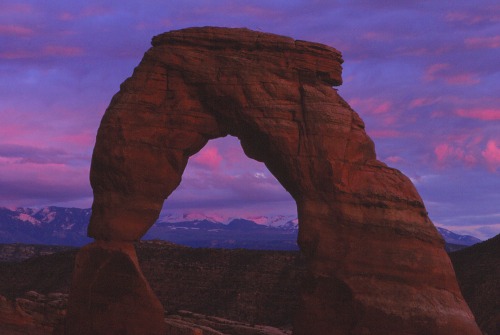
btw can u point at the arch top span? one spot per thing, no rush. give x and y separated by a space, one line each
318 59
376 263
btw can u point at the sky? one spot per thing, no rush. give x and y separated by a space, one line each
423 75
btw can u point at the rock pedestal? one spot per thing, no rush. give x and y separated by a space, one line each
376 263
109 294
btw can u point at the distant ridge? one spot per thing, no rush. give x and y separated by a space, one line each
68 226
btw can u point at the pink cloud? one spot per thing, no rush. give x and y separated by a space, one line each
255 11
377 36
96 11
462 79
49 50
443 71
18 54
474 17
394 159
432 71
34 183
390 119
11 130
66 16
492 42
419 102
447 153
371 105
15 30
384 133
40 171
10 9
60 50
89 11
384 107
83 139
438 113
460 148
208 157
492 155
443 151
234 156
463 17
488 114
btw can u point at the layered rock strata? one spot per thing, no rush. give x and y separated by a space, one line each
376 264
34 313
188 323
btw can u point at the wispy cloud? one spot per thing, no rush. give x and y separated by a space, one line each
492 155
445 72
491 42
61 51
448 154
30 154
475 15
208 158
35 183
16 30
13 8
485 114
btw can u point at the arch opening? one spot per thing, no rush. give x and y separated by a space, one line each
243 182
224 188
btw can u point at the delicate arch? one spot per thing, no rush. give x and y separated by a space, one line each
376 263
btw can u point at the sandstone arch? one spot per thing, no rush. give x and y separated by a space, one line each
376 263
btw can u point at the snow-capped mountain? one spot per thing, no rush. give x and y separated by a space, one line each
68 226
276 221
454 238
252 232
49 225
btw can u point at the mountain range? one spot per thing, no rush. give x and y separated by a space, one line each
68 226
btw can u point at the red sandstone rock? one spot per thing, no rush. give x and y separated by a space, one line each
376 263
109 294
188 323
33 314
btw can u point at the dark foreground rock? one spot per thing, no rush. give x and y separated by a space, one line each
246 286
38 314
33 314
188 323
478 273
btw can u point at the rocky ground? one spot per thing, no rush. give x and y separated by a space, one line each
188 323
16 252
39 314
33 313
226 291
478 272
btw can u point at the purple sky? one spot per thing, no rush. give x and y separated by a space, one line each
424 76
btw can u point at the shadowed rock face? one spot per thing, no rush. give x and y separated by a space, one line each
376 263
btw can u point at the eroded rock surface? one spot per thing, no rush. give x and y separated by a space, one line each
376 264
34 313
109 294
188 323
